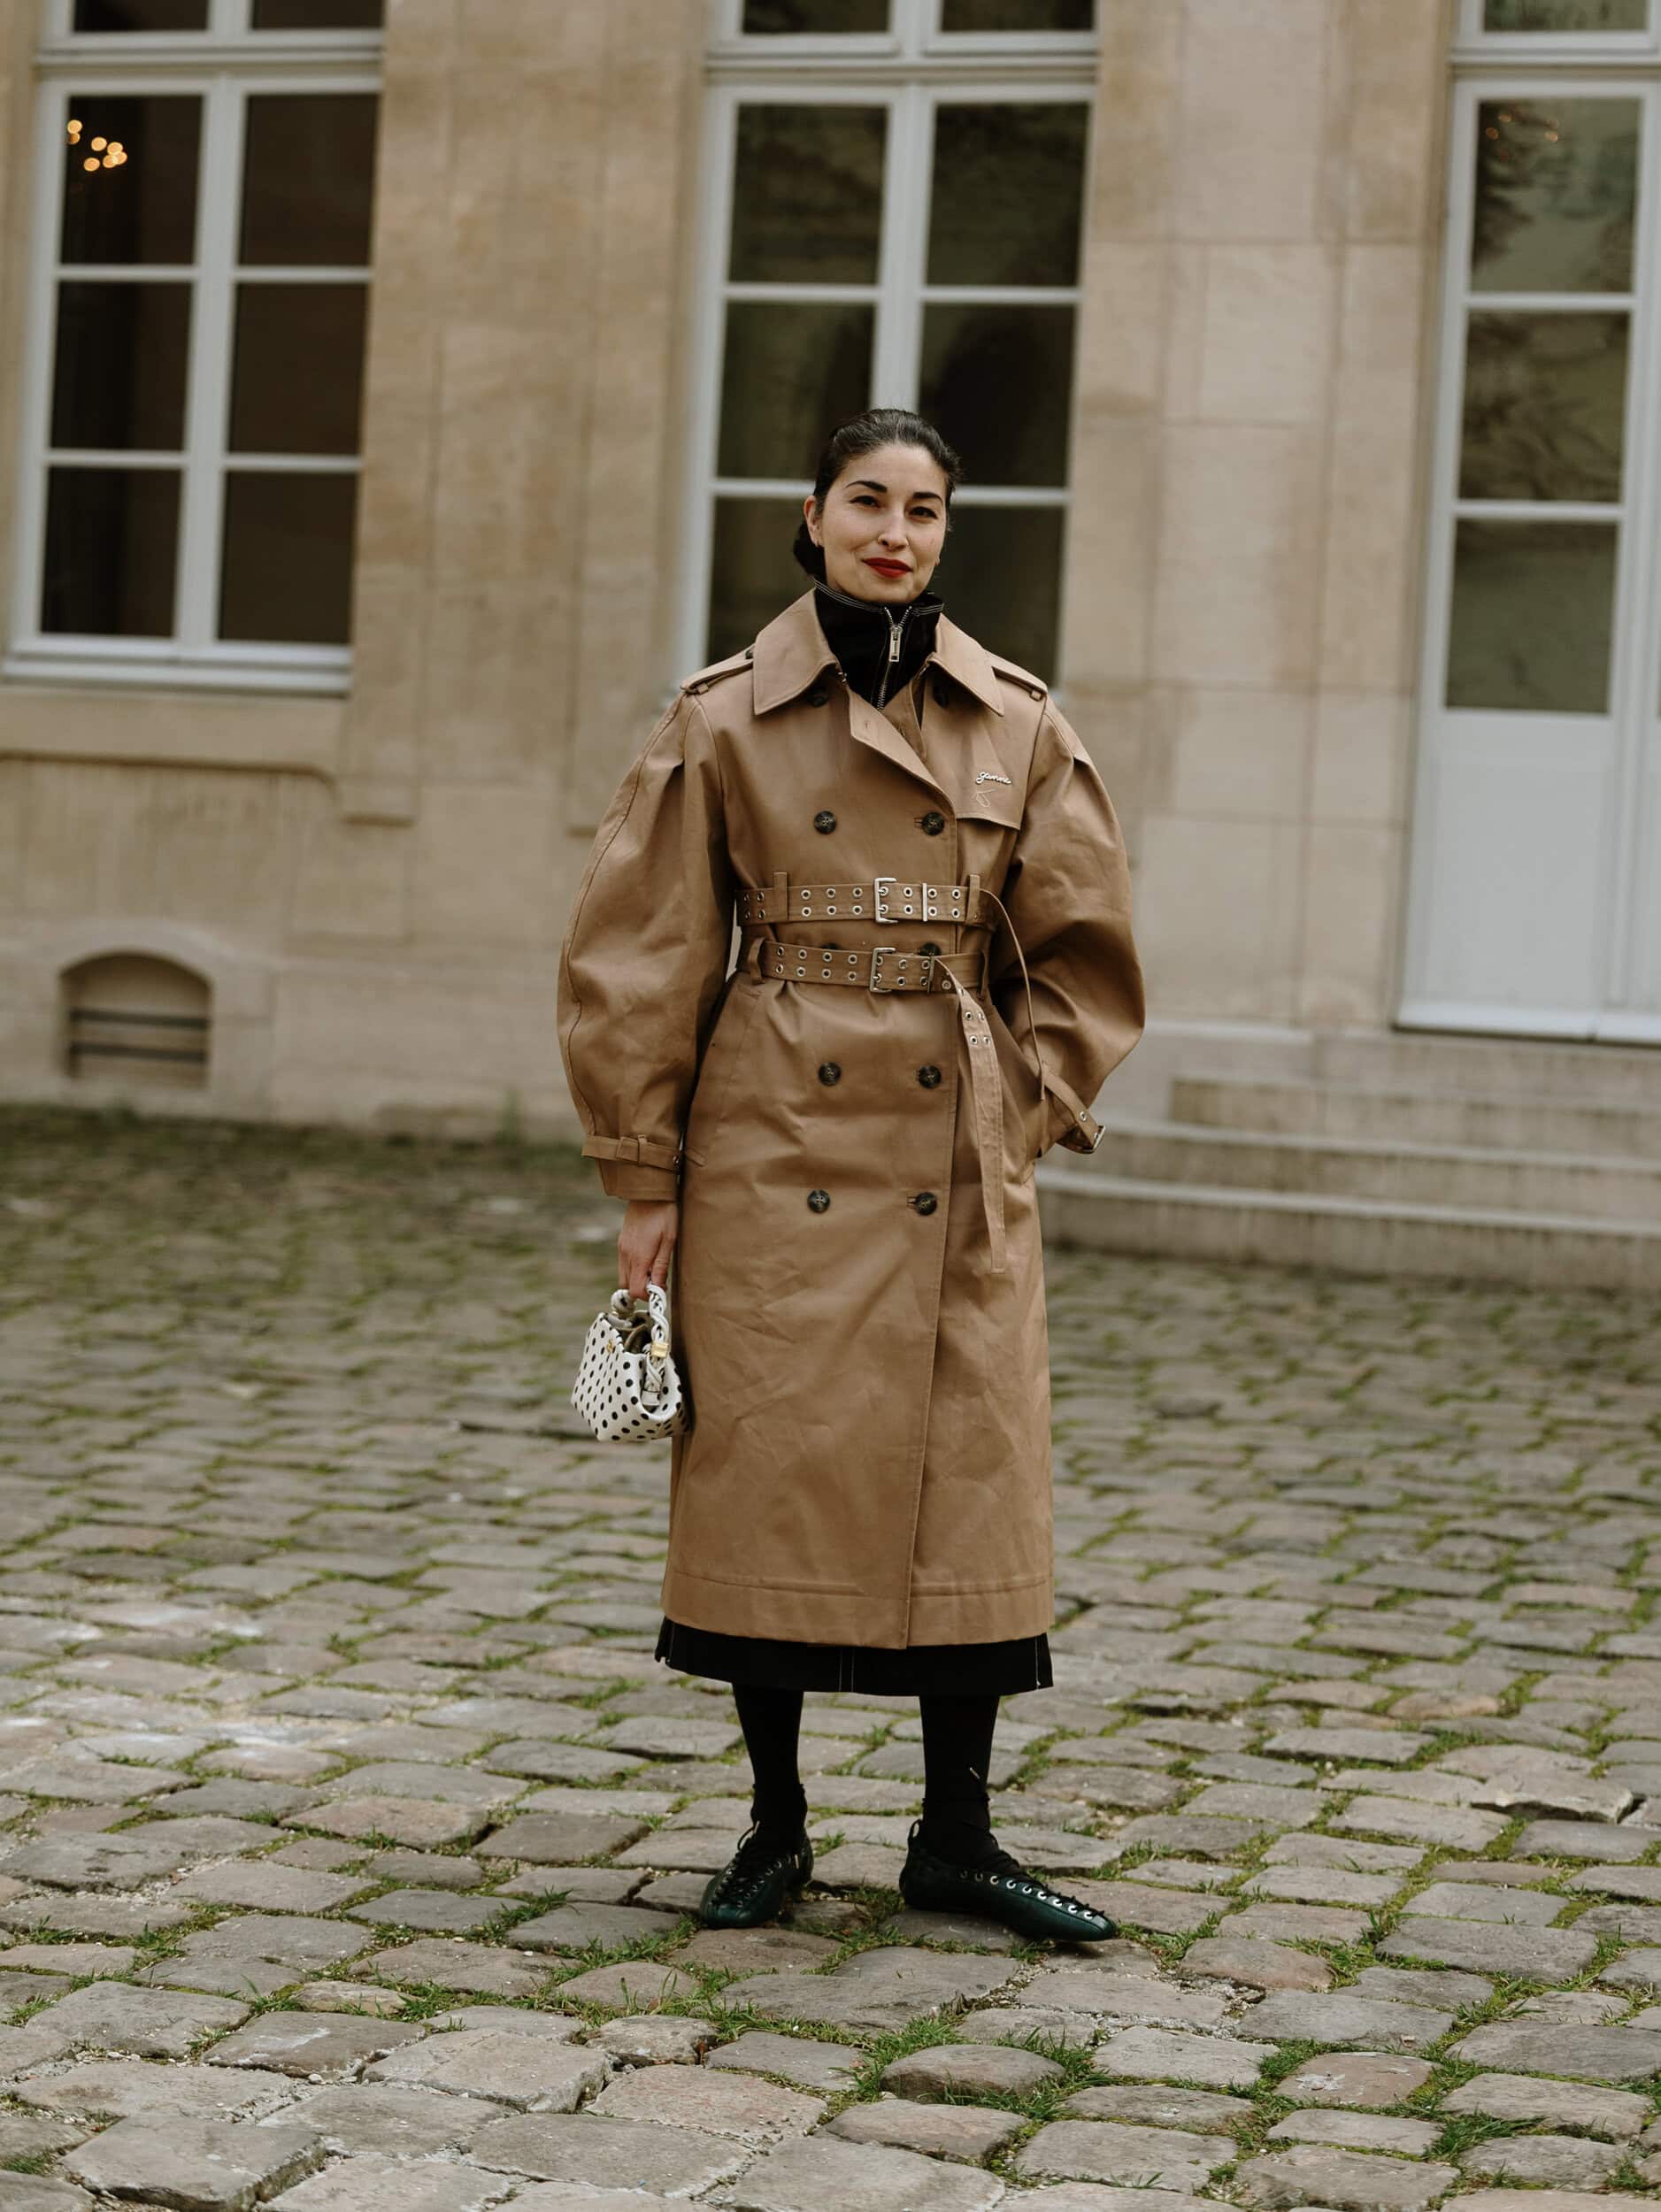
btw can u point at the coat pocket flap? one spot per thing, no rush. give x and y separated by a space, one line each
989 802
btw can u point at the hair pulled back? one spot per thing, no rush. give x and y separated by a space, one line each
865 434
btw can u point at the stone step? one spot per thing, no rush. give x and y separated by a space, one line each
1355 1236
1522 1123
1486 1178
1493 1067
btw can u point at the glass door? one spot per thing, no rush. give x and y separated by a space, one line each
1537 834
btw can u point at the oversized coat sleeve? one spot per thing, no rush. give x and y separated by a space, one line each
1067 895
645 957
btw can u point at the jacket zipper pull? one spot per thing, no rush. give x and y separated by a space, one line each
895 629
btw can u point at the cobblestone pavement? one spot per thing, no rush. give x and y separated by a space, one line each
350 1834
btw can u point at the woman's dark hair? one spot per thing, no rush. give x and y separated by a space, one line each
863 434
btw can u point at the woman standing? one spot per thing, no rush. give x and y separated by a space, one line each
836 1140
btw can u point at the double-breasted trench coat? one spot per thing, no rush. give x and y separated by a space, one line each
858 1296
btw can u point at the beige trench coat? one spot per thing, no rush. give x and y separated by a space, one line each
869 1460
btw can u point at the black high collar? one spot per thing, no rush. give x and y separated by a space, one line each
860 633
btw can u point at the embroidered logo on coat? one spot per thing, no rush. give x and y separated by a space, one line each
990 775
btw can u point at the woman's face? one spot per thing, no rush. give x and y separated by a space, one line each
882 525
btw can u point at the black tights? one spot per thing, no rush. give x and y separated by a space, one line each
957 1754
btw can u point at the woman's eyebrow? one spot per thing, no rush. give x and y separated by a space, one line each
870 484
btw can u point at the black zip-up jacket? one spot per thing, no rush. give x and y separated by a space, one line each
863 634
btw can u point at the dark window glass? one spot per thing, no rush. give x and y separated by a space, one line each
145 210
1532 617
286 573
308 180
807 194
1545 404
118 366
753 573
998 382
1001 579
1009 185
141 15
1565 15
1556 195
296 379
112 546
318 15
775 18
1018 15
791 369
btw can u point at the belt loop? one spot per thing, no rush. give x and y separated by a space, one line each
778 896
971 904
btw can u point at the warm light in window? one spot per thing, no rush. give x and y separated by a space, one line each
92 165
98 145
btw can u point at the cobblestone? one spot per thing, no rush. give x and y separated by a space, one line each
329 1689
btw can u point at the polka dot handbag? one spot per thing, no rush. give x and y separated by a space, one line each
627 1389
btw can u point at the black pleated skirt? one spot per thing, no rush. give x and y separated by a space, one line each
998 1669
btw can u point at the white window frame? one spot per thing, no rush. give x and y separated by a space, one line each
1615 745
1547 49
910 72
221 66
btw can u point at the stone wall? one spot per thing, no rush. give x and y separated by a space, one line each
376 884
1254 372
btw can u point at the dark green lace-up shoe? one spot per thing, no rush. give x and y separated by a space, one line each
754 1884
1000 1889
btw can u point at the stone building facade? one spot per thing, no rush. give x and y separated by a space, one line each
437 394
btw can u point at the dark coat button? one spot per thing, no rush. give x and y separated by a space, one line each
819 1199
825 822
925 1201
928 1077
819 693
932 824
928 945
830 1072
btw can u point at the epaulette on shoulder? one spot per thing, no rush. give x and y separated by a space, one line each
1024 677
701 678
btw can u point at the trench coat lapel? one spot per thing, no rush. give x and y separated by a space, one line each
792 650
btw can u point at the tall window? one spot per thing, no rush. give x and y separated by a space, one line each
1537 836
896 205
190 473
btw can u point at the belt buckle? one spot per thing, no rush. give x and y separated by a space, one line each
882 913
877 952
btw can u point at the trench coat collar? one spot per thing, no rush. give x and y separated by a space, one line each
792 650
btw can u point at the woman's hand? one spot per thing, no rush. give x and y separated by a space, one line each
645 1242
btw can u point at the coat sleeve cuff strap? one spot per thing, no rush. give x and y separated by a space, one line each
1086 1133
635 1151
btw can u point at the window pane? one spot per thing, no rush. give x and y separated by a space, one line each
1018 15
772 18
145 210
792 370
1000 577
1565 15
1532 608
807 194
111 543
998 382
309 179
1545 399
753 573
296 383
1557 193
286 576
140 15
1008 189
318 15
118 366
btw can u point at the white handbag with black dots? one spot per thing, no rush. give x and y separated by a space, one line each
627 1389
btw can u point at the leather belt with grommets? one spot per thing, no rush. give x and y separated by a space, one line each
887 900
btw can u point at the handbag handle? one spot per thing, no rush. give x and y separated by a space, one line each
624 1310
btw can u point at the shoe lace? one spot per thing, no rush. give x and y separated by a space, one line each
750 1865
